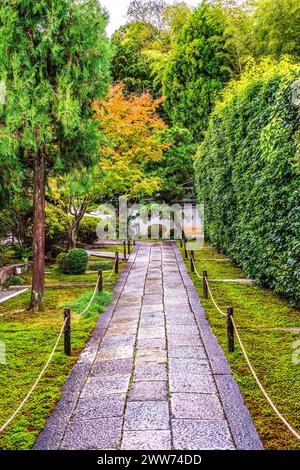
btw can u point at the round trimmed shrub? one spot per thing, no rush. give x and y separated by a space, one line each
76 261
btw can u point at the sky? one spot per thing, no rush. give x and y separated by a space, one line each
118 8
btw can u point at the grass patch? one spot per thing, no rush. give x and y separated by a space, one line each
54 276
99 304
270 351
104 265
28 339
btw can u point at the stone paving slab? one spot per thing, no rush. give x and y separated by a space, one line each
145 391
146 440
141 416
153 376
191 434
196 406
93 434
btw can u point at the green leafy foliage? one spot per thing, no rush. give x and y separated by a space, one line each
54 62
276 28
129 65
88 229
104 265
101 300
14 281
176 171
198 68
61 261
247 175
76 261
73 262
56 226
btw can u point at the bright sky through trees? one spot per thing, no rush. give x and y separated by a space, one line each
118 8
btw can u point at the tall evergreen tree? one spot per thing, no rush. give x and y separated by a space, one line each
54 61
199 66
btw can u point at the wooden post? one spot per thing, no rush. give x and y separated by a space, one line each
124 250
192 261
67 331
185 250
129 246
205 290
117 262
100 280
230 330
134 242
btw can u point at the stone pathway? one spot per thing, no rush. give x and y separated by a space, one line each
153 375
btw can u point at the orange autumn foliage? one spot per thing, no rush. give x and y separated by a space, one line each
133 136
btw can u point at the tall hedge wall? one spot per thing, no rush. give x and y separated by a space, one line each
248 176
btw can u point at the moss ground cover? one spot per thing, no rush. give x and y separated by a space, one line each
28 340
263 319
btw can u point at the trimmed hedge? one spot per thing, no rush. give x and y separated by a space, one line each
248 176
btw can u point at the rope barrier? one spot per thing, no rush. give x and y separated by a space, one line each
89 304
269 400
36 382
285 422
5 425
213 300
94 294
112 271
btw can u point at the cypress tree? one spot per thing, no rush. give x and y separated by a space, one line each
198 68
54 61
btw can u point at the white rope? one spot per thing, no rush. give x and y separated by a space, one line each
36 382
285 422
112 271
209 290
214 302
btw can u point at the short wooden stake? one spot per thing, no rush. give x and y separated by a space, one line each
230 330
124 250
100 280
67 331
185 250
117 262
192 257
129 246
205 290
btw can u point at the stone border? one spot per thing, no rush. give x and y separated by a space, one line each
52 435
243 431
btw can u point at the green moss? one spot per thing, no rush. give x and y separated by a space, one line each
257 311
28 339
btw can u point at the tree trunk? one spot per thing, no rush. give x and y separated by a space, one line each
73 235
74 229
38 281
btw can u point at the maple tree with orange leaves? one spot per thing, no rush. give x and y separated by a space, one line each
133 133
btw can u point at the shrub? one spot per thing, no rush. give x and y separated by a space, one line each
14 281
61 261
74 262
87 231
56 226
247 175
99 304
55 251
104 265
